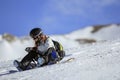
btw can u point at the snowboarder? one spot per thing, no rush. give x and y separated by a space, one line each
46 51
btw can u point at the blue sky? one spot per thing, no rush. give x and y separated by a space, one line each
18 17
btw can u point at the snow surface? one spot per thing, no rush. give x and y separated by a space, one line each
96 61
110 32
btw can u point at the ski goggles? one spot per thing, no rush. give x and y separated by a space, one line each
38 36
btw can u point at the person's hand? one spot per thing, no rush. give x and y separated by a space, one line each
28 49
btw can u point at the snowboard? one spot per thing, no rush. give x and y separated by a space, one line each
17 64
68 60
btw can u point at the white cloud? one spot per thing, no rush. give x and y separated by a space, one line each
80 7
69 7
48 19
56 11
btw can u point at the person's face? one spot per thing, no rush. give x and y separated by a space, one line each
39 37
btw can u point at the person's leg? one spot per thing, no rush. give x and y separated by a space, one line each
50 57
54 57
61 54
28 58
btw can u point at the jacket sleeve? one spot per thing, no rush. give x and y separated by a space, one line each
49 51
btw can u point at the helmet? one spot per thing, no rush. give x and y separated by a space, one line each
35 32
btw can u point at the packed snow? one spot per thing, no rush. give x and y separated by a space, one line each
94 61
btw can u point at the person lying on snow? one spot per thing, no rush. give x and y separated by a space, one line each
46 51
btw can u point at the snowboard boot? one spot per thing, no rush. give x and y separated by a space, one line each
18 65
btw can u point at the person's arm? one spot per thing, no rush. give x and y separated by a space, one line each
49 51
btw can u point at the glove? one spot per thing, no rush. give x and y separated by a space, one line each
28 49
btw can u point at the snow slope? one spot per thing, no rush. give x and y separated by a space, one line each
99 61
107 32
95 61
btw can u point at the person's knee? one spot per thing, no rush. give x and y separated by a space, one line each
61 53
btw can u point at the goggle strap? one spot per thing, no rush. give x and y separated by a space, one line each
38 34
